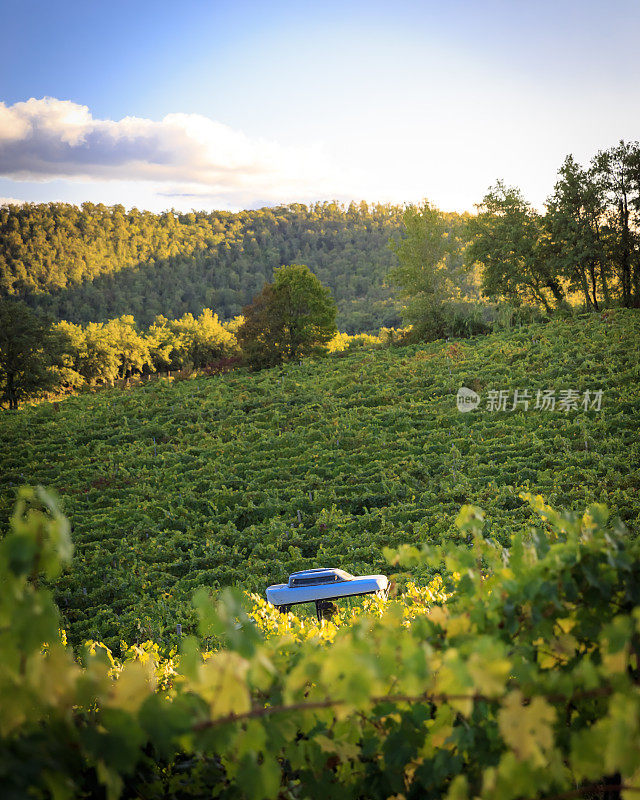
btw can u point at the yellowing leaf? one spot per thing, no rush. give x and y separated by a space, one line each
458 625
54 675
135 682
438 615
527 730
566 625
507 572
223 684
459 789
615 662
344 750
489 673
453 680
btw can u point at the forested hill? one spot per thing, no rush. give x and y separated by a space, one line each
96 262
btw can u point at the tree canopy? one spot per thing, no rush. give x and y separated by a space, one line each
290 318
586 241
30 350
505 239
431 277
583 249
96 262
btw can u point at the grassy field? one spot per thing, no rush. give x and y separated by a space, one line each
243 478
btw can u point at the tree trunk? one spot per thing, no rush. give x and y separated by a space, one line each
636 281
585 290
539 294
592 273
603 271
10 390
625 261
556 290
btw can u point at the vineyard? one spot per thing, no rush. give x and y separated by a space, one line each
312 487
512 674
243 478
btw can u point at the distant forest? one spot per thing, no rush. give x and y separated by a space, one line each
94 263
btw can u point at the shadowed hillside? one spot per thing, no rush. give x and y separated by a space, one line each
95 262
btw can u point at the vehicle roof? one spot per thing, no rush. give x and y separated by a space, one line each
316 587
322 570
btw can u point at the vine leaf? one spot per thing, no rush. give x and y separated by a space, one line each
528 730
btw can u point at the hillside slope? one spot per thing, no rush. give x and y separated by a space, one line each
94 263
243 478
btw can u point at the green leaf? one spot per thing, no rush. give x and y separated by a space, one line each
259 778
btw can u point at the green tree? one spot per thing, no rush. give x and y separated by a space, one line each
30 351
98 357
71 368
131 347
574 241
505 241
618 172
163 343
431 275
190 340
290 318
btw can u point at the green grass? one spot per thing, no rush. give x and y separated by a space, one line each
369 449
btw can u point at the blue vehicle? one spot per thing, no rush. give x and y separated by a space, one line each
322 586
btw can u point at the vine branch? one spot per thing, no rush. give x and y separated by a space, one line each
264 711
597 788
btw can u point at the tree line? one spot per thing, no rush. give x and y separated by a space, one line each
292 317
455 274
94 263
583 249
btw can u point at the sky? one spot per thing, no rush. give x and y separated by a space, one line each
196 104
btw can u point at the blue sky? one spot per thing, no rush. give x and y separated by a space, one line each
229 105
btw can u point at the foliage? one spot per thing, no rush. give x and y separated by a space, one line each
435 289
505 241
575 240
94 263
242 479
48 358
30 351
292 317
190 341
522 681
587 240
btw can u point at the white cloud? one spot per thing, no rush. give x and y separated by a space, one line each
183 155
10 201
